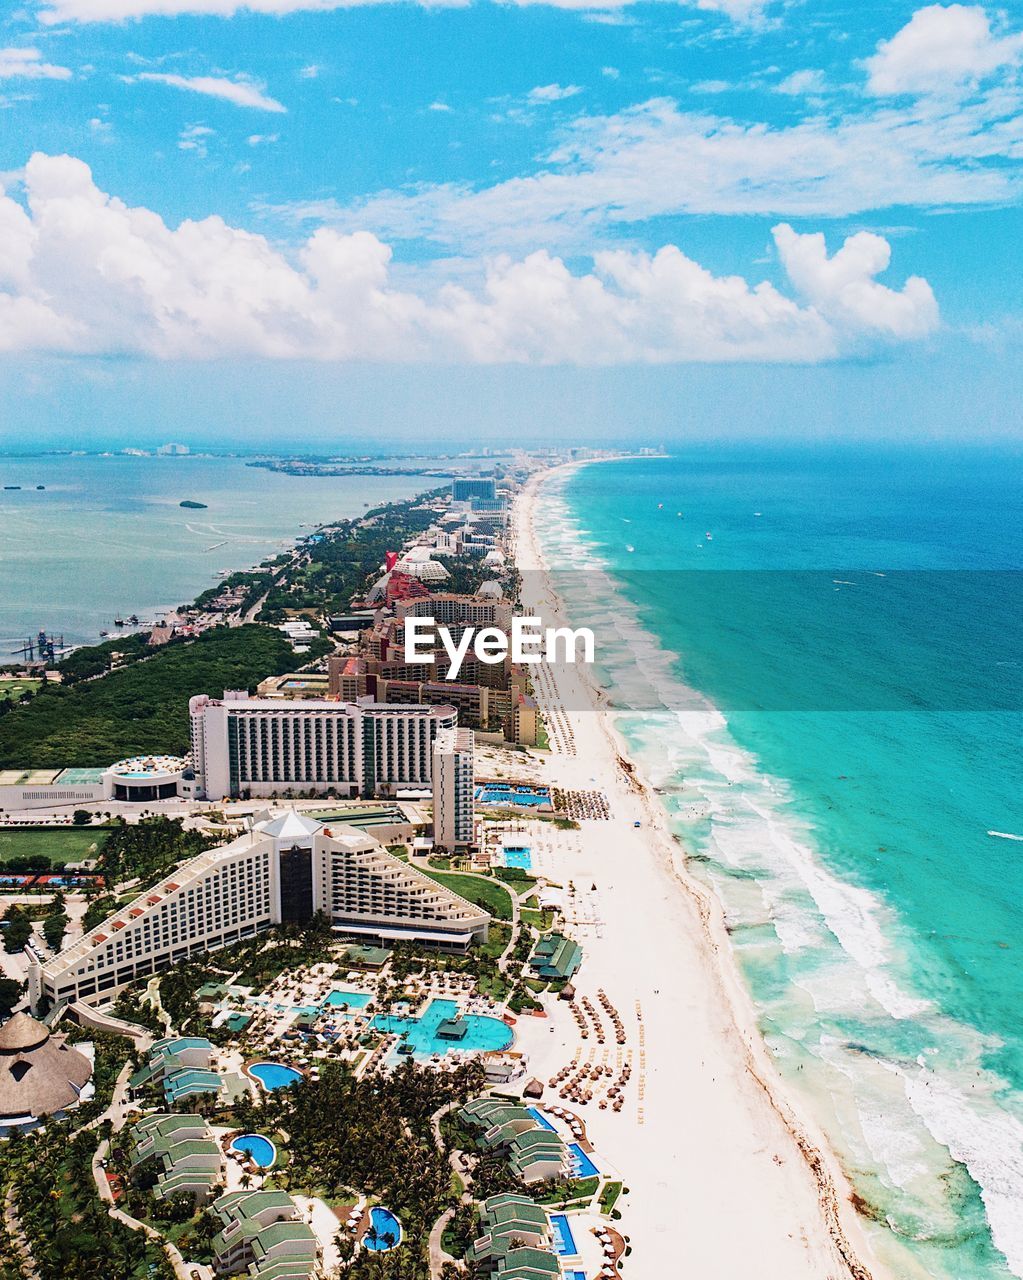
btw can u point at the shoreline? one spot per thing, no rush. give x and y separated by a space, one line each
739 1047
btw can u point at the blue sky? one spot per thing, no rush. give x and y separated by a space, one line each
391 216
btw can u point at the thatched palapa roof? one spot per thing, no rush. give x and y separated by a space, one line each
39 1073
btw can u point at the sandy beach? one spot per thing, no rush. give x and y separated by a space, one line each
726 1181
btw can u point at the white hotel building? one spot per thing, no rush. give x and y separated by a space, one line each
284 871
263 746
453 789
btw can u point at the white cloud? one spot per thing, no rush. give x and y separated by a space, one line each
82 272
101 129
942 47
612 73
439 106
611 173
195 137
242 92
55 11
543 93
802 82
28 64
845 288
310 72
262 139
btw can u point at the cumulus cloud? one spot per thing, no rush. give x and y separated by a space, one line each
242 92
845 289
942 47
54 11
80 271
28 64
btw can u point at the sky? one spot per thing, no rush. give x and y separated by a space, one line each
302 220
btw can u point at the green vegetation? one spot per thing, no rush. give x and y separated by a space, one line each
484 893
139 708
55 923
150 849
69 1232
372 1135
10 993
18 929
15 690
41 848
609 1196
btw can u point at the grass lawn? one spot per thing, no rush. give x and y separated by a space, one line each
11 690
485 893
52 844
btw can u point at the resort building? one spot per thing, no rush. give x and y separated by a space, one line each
40 1075
263 746
286 870
141 778
453 789
181 1066
465 488
556 958
264 1235
534 1154
508 1222
175 1154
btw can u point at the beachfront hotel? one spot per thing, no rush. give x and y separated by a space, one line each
285 870
453 789
263 746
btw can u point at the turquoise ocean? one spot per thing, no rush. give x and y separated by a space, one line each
815 656
106 536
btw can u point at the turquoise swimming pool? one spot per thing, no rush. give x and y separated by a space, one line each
355 1000
386 1230
526 797
517 856
261 1150
582 1165
274 1075
420 1034
564 1241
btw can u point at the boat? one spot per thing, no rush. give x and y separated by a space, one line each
134 619
118 622
104 633
709 536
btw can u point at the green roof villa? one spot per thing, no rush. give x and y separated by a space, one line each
534 1154
176 1153
263 1236
556 957
509 1223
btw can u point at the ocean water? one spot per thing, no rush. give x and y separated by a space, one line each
106 537
826 692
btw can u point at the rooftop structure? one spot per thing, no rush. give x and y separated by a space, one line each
556 957
507 1223
264 1235
286 870
40 1074
534 1154
176 1153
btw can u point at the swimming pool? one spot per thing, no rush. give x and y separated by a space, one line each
274 1075
564 1242
517 856
541 1119
387 1228
528 797
482 1033
353 999
260 1149
582 1165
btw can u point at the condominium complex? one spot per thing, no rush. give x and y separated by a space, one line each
453 785
262 746
285 870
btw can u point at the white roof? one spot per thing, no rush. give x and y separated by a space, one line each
290 825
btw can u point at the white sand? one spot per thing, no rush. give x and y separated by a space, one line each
726 1182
